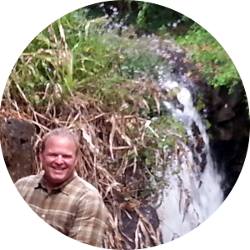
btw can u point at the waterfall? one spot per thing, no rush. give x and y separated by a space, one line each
193 192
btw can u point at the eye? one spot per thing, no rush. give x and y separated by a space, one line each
67 156
52 155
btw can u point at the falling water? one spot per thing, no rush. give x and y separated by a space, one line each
194 193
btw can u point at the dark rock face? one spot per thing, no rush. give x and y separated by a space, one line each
17 137
228 116
130 220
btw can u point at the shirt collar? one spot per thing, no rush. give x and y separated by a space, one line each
63 187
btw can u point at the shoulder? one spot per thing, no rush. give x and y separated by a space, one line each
28 181
81 188
88 197
85 186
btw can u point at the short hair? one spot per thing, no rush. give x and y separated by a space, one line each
63 132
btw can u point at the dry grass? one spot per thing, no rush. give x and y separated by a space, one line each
111 142
120 155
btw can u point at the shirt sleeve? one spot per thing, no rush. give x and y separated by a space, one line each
90 221
23 185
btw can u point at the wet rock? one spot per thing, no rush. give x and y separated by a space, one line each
224 114
203 161
229 131
229 119
179 64
199 140
17 137
130 221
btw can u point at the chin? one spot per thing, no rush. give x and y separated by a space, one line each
56 179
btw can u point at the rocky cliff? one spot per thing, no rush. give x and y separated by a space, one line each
17 138
227 112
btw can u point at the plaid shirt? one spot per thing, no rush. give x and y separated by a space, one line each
75 209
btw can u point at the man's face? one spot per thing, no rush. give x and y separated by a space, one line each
59 159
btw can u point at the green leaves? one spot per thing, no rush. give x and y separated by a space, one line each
212 60
141 17
200 103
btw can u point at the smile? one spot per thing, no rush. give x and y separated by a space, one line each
58 168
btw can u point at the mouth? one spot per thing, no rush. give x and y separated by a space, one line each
58 168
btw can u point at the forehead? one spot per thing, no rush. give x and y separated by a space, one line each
60 141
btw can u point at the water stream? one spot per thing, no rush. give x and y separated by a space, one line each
194 193
194 189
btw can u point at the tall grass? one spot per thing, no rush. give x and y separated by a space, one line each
79 75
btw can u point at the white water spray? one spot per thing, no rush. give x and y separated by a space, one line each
192 194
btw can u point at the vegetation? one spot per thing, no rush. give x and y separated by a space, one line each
211 57
89 73
75 74
213 61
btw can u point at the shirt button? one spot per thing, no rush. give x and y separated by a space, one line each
43 216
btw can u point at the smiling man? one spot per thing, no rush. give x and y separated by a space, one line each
59 196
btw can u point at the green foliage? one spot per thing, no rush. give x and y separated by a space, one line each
208 124
211 60
215 64
200 103
141 17
154 17
77 55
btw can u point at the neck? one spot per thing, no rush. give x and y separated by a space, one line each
52 186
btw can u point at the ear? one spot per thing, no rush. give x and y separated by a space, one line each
77 156
77 160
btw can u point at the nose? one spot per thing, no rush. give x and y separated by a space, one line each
59 159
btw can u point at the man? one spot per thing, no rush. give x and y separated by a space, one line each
59 196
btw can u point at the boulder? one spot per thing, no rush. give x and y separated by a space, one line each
130 220
17 138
